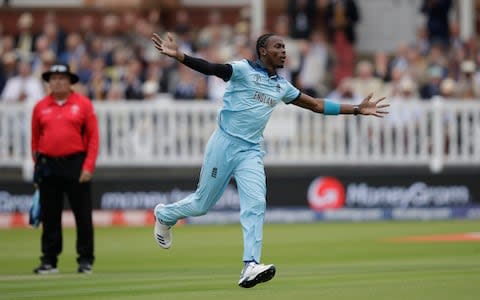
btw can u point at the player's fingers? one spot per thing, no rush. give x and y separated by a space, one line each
380 99
367 98
383 105
157 45
156 38
170 37
383 112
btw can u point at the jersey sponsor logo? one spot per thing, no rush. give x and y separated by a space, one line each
257 79
326 193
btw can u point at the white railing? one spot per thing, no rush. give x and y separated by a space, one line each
166 133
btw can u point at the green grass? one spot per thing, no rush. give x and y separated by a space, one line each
314 261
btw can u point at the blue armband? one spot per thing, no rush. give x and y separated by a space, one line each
331 108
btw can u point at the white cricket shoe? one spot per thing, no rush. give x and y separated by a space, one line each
162 233
253 274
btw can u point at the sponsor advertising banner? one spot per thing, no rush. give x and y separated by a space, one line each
322 197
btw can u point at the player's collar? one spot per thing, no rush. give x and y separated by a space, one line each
260 66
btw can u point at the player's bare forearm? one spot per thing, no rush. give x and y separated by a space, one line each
324 106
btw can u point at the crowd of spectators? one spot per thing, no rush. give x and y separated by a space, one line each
115 59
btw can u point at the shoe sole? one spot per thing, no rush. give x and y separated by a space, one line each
264 276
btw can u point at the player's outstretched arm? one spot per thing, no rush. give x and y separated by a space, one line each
169 47
366 107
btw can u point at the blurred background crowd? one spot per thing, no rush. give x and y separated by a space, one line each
115 59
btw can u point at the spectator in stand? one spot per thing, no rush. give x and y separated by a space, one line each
96 49
344 93
56 40
127 28
116 92
476 75
432 87
422 43
313 78
189 84
41 46
9 70
183 31
25 39
84 70
365 82
24 87
456 40
7 44
74 49
142 46
416 66
7 59
342 17
150 89
118 70
110 37
438 58
402 115
155 19
466 83
436 12
86 29
133 80
215 30
449 89
302 18
381 66
3 76
321 22
392 88
400 58
99 83
47 60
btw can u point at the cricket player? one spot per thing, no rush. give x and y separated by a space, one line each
234 149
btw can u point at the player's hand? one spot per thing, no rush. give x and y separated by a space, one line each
165 46
375 107
85 176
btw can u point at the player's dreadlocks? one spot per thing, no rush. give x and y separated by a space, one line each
262 42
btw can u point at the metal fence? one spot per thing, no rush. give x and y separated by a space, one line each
433 133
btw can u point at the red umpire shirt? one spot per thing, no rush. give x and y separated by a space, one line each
62 129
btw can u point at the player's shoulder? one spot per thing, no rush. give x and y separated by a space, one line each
240 64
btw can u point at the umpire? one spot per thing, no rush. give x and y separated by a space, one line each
64 148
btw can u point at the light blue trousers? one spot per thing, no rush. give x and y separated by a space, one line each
228 156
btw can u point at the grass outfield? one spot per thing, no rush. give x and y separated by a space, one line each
314 261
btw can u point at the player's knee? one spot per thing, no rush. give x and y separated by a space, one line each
258 207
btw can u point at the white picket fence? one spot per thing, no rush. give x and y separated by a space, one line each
435 133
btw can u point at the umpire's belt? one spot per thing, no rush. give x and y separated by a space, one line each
71 157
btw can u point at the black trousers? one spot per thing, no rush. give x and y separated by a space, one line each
57 178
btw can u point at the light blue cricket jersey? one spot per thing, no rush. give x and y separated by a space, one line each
250 98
